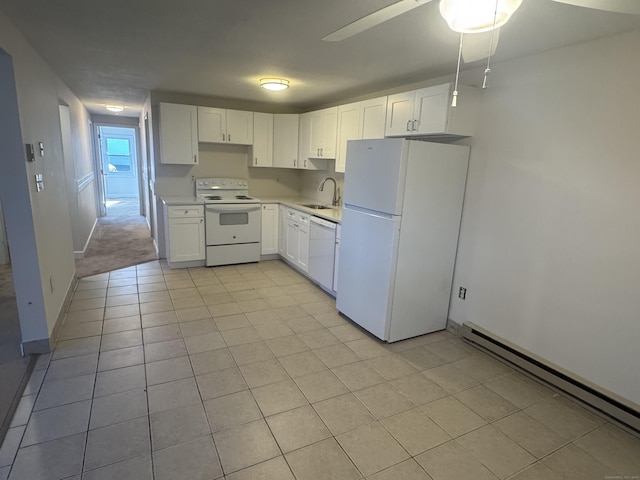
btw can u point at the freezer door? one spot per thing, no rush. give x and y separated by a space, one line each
375 174
368 250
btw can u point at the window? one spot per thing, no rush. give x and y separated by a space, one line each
119 156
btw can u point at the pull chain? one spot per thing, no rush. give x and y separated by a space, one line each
454 97
487 70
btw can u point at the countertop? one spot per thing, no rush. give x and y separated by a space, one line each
333 214
186 200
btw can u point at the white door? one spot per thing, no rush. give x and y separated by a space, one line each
368 249
119 162
375 174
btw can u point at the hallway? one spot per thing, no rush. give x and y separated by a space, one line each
120 239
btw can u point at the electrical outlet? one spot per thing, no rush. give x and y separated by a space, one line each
462 293
193 178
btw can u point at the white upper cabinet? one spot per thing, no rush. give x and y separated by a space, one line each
285 140
318 133
428 111
262 140
178 134
356 121
218 125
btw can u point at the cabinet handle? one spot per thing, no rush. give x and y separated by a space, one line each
413 125
202 220
305 163
255 162
294 162
229 137
224 137
186 211
195 159
409 123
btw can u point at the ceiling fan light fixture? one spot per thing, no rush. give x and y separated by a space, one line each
274 84
475 16
115 108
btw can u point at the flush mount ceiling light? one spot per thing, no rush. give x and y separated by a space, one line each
114 108
274 84
476 16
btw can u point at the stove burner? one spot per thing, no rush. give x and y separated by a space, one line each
213 197
243 197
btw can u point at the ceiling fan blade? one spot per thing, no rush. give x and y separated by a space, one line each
631 7
475 46
373 19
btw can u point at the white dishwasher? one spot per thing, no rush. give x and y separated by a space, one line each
322 248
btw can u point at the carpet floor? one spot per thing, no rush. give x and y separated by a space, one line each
121 239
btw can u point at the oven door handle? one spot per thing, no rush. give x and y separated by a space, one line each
231 208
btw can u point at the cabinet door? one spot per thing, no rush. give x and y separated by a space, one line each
291 252
212 125
432 109
330 131
178 134
239 127
269 243
186 239
315 132
400 114
303 246
348 129
262 140
282 230
285 140
373 114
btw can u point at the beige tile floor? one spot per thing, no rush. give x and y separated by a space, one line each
248 372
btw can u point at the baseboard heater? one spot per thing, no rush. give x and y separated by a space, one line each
608 403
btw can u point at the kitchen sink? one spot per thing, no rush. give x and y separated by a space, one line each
316 206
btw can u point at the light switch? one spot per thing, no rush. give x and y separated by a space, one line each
39 182
41 145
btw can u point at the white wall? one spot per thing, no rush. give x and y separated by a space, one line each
51 266
551 230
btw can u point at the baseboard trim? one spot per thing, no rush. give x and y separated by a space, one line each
613 406
79 255
46 345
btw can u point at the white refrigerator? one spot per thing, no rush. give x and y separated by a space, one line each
400 224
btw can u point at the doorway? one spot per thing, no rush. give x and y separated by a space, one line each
119 189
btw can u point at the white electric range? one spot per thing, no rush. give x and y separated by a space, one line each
232 221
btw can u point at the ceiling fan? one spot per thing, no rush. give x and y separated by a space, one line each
483 18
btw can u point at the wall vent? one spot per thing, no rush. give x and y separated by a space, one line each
605 402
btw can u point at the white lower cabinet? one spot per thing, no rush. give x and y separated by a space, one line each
184 226
296 249
270 229
282 230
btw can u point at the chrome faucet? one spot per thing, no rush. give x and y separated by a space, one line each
336 191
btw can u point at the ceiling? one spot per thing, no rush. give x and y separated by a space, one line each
118 51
